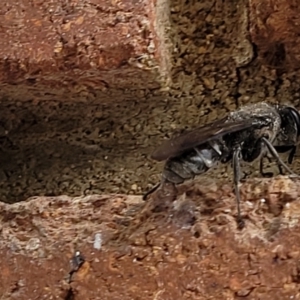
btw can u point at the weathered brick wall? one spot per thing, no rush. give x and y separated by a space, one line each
73 46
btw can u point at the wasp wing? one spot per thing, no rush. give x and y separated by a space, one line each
188 140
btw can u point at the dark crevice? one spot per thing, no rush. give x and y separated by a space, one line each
236 95
70 294
277 85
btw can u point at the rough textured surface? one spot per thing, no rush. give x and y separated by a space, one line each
62 49
193 249
274 29
53 148
190 251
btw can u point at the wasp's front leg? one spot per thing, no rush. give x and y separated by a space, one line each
261 167
237 175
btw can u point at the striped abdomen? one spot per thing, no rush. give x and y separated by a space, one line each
194 162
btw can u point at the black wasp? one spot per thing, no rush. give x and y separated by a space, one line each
249 133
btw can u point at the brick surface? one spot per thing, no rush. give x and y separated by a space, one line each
74 46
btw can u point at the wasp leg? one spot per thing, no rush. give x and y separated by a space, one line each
290 159
151 191
292 154
236 175
261 168
276 156
280 169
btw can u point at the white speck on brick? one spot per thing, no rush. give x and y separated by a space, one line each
98 241
33 244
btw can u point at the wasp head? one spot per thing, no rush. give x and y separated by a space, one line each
294 114
289 133
290 120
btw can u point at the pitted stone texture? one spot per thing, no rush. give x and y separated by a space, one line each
164 253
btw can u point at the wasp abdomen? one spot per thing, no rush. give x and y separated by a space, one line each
194 162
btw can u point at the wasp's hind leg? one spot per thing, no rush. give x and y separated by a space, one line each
236 175
145 196
165 189
164 193
274 153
